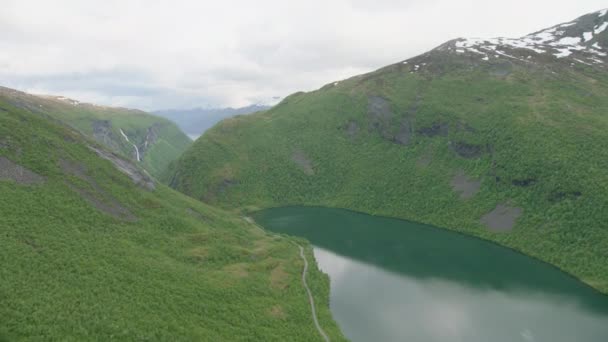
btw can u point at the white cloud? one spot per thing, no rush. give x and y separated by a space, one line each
159 54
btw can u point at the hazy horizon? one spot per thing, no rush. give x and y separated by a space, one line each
156 55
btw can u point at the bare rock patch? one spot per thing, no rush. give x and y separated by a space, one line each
467 187
404 135
299 157
502 218
12 171
383 120
139 177
380 116
102 132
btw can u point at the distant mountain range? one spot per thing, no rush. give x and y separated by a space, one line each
197 120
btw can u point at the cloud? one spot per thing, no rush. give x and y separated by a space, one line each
159 54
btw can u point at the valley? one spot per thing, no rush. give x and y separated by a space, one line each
459 194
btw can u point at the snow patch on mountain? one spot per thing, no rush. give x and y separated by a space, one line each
561 41
65 99
600 28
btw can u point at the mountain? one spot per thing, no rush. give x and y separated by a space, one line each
502 139
152 141
196 121
92 248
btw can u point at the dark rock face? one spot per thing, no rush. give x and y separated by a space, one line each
152 135
12 171
404 135
465 150
558 196
438 129
380 116
382 120
102 133
524 182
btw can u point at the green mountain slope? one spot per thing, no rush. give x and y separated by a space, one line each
153 141
501 138
91 248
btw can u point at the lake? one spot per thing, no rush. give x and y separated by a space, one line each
395 280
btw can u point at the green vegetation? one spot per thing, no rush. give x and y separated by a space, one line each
390 143
159 140
88 255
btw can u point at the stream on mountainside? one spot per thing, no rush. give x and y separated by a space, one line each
395 280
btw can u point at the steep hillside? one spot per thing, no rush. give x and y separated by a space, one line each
150 140
92 248
498 138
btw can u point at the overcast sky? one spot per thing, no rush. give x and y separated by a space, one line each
154 54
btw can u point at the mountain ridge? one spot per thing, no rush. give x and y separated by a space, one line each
94 249
150 140
508 149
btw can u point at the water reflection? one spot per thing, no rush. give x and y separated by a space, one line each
372 304
394 280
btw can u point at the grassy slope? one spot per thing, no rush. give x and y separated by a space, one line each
546 123
181 271
171 143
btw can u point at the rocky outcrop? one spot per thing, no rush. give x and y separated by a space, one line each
300 158
15 172
152 135
137 175
102 133
502 218
382 120
467 187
